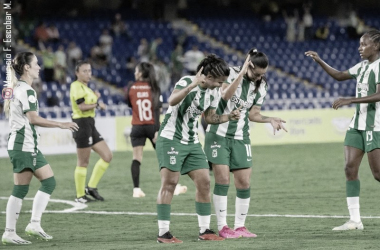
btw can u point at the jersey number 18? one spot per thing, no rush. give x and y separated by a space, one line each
145 109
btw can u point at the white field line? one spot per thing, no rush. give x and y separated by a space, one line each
77 208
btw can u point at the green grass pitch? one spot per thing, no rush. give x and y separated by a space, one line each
297 197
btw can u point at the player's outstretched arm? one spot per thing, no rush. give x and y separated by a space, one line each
334 73
42 122
347 101
256 116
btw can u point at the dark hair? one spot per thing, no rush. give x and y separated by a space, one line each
17 66
22 59
260 60
374 36
80 63
148 75
214 65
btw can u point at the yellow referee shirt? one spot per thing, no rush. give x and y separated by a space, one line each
78 91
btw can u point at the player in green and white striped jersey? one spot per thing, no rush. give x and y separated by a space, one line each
228 145
27 159
178 148
363 134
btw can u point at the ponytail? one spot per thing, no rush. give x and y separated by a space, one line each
8 90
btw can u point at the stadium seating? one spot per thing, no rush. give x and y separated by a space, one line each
293 79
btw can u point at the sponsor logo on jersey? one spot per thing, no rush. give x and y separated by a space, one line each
140 87
193 111
172 152
239 102
215 145
363 87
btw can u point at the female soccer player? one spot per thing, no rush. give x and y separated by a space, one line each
143 96
178 148
363 135
228 145
84 101
26 158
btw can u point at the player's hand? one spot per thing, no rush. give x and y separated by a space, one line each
69 125
341 102
277 124
102 106
97 93
235 114
314 55
155 137
246 65
199 77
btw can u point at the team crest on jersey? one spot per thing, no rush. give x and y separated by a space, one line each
173 160
214 153
172 152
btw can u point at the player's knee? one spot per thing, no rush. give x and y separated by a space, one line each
203 185
48 185
20 191
108 157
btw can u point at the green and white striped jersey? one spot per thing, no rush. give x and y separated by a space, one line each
23 136
181 120
244 95
367 115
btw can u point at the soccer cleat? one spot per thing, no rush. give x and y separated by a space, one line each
94 193
350 225
168 238
209 235
179 189
243 232
84 199
228 233
10 237
138 193
36 231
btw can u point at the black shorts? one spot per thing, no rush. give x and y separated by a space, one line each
87 135
140 133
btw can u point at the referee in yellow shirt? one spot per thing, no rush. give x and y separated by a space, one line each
84 101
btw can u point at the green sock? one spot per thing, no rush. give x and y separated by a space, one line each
163 211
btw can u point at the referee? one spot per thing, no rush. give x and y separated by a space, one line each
84 101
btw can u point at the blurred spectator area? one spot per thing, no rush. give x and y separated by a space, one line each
295 82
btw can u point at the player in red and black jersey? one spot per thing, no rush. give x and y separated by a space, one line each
143 96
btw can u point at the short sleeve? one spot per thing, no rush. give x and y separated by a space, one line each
183 83
234 71
355 70
76 91
28 100
261 94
